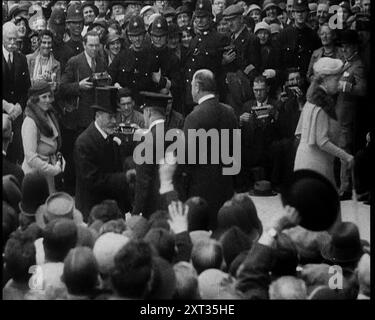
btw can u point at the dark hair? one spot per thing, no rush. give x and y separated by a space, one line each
115 226
207 254
46 33
81 271
262 79
59 237
159 219
105 211
125 92
91 33
163 242
205 81
19 255
132 270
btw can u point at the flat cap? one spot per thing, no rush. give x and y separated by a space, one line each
233 11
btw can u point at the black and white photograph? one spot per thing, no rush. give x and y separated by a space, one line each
187 151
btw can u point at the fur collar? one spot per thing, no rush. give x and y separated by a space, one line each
317 96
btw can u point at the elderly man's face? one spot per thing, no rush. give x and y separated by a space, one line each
107 122
88 15
235 24
10 39
322 13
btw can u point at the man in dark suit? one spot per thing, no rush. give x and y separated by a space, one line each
147 196
99 174
78 94
207 180
15 84
258 130
9 167
241 59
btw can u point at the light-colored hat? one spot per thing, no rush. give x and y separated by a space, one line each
145 9
262 26
253 7
105 249
328 66
275 28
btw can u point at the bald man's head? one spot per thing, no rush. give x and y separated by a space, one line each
203 83
207 254
10 35
288 288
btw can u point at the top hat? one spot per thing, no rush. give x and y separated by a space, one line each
152 99
314 197
59 205
345 244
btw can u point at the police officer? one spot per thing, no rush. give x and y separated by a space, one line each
74 23
135 67
298 41
169 77
205 51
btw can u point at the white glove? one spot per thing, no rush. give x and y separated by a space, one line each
269 73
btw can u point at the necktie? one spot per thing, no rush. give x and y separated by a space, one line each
9 62
93 65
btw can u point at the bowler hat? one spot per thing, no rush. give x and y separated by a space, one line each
136 26
203 8
301 5
345 244
34 192
262 188
59 205
92 5
74 14
159 27
314 197
11 191
233 11
152 99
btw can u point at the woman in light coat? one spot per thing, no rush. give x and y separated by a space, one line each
317 127
41 136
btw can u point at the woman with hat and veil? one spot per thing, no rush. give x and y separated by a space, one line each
317 125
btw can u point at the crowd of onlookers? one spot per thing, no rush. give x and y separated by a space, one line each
264 57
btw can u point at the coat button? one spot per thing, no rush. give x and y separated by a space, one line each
199 39
189 70
192 60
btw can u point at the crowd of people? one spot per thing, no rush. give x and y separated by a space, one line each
83 80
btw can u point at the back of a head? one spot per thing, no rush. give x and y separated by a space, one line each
132 270
85 237
105 249
81 271
105 211
19 256
59 237
163 242
115 226
288 288
207 254
186 281
206 80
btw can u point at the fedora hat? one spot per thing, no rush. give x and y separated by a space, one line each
345 245
59 205
262 188
315 198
